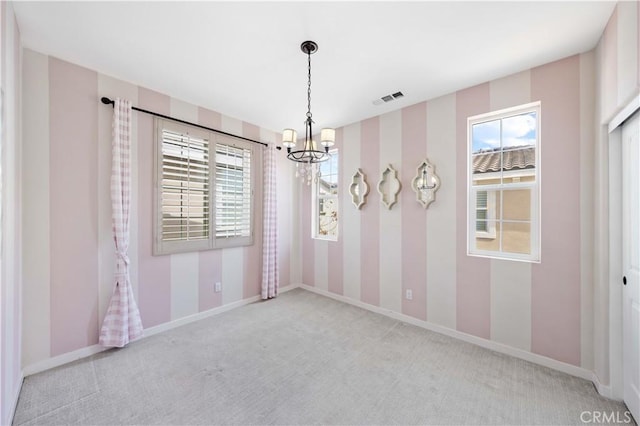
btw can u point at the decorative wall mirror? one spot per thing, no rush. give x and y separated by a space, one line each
359 189
426 183
389 187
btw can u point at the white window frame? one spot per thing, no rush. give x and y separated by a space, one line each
498 189
315 216
161 247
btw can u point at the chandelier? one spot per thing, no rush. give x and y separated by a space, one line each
309 153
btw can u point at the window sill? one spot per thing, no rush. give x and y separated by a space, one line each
512 257
323 238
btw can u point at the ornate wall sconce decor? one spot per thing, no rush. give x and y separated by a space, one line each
426 183
389 187
359 189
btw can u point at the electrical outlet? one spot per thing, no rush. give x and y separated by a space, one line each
218 287
409 295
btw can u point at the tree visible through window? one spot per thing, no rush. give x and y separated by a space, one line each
325 199
504 179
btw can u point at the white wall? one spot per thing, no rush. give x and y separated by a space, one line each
10 199
617 82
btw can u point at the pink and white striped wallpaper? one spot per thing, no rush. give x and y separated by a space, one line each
557 308
535 307
70 191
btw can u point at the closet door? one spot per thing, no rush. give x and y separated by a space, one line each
631 263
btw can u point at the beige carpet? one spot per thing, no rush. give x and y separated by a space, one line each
305 359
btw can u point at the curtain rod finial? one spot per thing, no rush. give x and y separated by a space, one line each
106 101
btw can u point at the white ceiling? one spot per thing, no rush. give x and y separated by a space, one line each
243 59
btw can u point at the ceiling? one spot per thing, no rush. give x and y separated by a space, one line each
243 59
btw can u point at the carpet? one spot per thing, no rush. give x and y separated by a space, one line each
303 358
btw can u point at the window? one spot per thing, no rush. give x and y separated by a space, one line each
325 199
201 204
504 184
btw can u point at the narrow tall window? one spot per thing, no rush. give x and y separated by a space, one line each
504 184
189 183
325 199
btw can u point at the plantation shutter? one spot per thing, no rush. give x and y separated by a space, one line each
185 187
233 192
204 185
481 211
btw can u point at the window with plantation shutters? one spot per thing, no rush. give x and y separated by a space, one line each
204 190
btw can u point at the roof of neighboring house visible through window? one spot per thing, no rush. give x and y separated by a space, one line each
513 158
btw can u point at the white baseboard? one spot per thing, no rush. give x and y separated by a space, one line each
206 314
288 288
14 404
68 357
603 390
57 361
488 344
151 331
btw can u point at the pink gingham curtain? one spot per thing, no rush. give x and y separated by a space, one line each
122 322
270 275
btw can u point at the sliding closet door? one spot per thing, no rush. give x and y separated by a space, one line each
631 263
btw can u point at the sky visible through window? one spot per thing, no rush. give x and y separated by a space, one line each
517 130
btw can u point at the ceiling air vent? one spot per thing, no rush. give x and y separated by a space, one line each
388 98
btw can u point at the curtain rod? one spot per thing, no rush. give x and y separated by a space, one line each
108 101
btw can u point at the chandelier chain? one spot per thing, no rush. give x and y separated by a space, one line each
309 84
